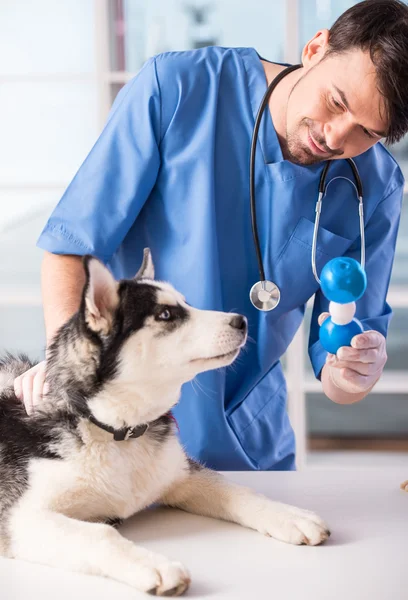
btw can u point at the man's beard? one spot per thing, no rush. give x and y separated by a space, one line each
297 152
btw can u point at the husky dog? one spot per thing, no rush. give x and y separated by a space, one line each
103 445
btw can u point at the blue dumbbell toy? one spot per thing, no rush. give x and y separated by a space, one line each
343 282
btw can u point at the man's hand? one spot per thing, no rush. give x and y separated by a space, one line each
357 369
31 386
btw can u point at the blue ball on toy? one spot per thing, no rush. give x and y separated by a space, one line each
343 280
332 336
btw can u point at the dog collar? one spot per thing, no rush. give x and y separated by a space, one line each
126 433
120 435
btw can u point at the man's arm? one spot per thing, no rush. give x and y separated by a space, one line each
62 282
351 375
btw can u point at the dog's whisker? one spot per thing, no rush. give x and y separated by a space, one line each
192 385
200 387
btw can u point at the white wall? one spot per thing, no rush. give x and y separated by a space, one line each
48 99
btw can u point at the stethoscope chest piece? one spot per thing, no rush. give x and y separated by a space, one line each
265 295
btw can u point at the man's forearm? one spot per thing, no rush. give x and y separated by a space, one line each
335 393
62 282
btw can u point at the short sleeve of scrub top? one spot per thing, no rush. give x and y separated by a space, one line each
111 186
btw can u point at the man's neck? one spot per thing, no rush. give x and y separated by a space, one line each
278 101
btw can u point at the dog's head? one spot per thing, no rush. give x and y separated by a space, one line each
140 337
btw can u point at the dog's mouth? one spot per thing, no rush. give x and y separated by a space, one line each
227 356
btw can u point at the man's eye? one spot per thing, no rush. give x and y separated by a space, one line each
367 133
165 315
336 104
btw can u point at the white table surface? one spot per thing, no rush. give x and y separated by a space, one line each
365 559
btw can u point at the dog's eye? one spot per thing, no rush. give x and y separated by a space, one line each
165 315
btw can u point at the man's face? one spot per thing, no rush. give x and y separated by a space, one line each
334 110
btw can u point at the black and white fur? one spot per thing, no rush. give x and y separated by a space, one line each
120 360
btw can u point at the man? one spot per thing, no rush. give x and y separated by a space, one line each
171 171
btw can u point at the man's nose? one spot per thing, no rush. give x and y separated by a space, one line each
336 133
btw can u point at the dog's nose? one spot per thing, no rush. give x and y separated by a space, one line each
239 322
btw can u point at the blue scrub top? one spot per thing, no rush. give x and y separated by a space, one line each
171 171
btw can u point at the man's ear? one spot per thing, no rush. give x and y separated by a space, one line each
100 295
146 270
315 48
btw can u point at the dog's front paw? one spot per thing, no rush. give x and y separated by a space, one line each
294 525
404 486
171 579
154 573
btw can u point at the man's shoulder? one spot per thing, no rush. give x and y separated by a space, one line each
189 62
381 170
384 157
189 81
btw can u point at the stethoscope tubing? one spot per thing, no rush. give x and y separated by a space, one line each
323 185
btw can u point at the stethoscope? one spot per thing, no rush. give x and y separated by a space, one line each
265 295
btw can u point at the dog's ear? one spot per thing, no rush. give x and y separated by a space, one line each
146 270
100 296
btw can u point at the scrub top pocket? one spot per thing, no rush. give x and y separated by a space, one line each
261 423
293 268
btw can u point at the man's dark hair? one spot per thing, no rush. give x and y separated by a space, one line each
381 28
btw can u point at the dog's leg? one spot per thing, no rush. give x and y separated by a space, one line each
404 486
208 493
94 548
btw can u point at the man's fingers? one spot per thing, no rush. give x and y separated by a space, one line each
346 353
321 319
38 385
360 368
18 387
368 339
27 386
